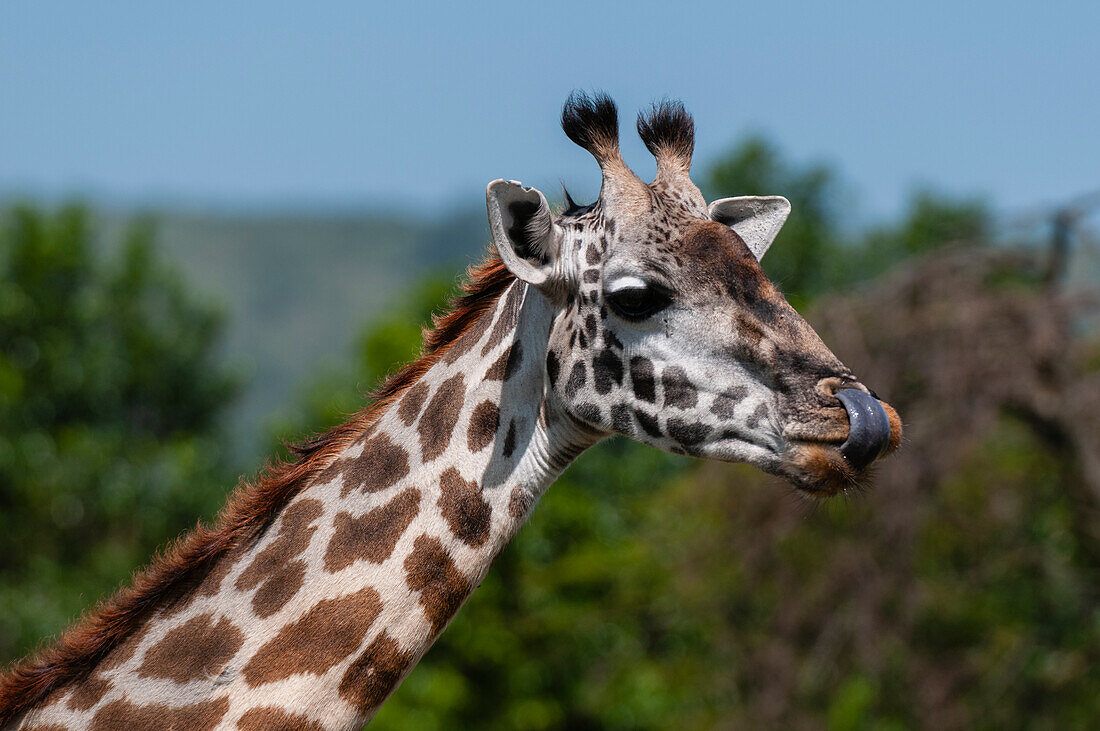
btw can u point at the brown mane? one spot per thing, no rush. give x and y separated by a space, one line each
249 509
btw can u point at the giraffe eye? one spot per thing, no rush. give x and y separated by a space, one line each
638 301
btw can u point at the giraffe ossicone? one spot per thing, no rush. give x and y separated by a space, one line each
322 583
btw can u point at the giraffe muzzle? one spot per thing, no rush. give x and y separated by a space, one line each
868 428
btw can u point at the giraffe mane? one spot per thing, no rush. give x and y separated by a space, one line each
250 508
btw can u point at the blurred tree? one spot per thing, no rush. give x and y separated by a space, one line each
803 261
332 395
931 221
817 251
110 398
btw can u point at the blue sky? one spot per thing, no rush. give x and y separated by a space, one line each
363 104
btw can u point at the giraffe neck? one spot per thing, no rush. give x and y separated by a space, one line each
322 616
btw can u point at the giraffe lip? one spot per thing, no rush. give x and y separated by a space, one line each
868 428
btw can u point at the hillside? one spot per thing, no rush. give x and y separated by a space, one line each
297 288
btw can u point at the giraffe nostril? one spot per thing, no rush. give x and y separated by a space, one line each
827 388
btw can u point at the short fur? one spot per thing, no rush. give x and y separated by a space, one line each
249 510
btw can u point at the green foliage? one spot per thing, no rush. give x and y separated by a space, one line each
816 251
804 259
932 221
110 395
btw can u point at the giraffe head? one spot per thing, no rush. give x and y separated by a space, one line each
666 329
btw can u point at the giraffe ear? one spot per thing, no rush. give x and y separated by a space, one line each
756 219
523 230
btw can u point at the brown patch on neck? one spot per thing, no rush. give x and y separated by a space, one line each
465 510
324 636
279 577
430 570
122 714
196 649
372 677
180 569
270 718
373 536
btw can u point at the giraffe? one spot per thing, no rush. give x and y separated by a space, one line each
321 584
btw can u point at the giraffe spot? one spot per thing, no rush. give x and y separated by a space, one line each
272 570
322 637
725 403
607 370
592 254
686 432
553 366
375 673
87 694
279 588
591 276
679 391
299 514
437 423
620 419
411 402
483 426
759 414
464 509
269 718
509 440
196 649
641 378
506 322
430 570
589 413
591 325
520 502
499 367
122 714
381 465
648 423
515 357
577 379
507 364
373 536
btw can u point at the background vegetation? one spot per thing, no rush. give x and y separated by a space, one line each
648 591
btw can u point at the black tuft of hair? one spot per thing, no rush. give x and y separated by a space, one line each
591 122
668 129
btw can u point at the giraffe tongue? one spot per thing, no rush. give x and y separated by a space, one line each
868 428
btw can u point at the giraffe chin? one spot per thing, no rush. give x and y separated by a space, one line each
820 470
